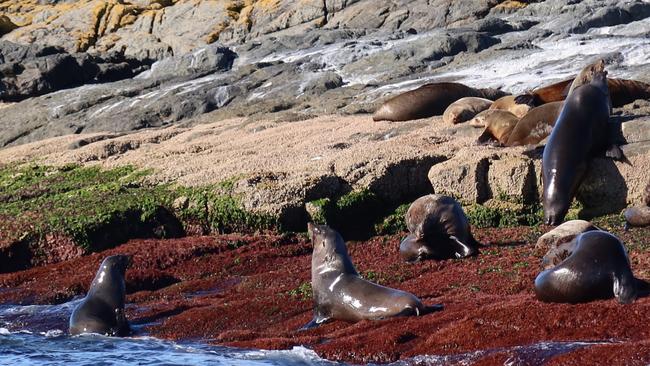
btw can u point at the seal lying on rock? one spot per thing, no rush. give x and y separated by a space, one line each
340 293
580 132
438 229
508 103
597 268
429 100
498 126
536 125
621 91
465 109
102 310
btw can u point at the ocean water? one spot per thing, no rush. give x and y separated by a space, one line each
37 335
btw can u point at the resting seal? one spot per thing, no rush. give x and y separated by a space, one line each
621 91
498 125
536 125
597 268
508 103
429 100
340 293
465 109
102 310
579 132
438 229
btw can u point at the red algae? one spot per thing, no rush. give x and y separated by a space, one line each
254 291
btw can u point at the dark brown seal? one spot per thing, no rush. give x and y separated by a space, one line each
429 100
536 125
622 92
438 229
580 132
597 268
102 310
340 293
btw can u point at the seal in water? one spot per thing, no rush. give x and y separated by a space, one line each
340 293
438 229
102 310
597 268
580 132
536 125
508 103
465 109
429 100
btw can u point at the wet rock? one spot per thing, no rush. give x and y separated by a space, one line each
208 59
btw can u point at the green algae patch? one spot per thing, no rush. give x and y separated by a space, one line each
395 222
495 213
93 209
81 202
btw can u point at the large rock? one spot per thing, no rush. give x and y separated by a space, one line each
463 177
564 233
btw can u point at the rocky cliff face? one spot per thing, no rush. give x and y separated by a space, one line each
204 92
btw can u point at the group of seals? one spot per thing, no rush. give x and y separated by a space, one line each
429 100
102 310
438 229
579 132
340 293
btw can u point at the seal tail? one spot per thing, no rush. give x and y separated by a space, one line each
314 323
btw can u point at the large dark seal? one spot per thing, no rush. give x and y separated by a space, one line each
536 125
429 100
102 311
339 292
438 229
580 132
597 268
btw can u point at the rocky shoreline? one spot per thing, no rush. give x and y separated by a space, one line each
200 137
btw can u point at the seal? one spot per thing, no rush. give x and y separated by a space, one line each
102 310
536 125
622 92
498 126
340 293
508 103
597 268
465 109
580 131
429 100
438 229
484 118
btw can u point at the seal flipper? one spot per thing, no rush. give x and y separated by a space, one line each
463 250
122 327
527 98
315 322
625 288
487 138
616 153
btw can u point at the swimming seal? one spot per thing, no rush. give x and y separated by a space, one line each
536 125
508 103
579 132
597 268
102 310
498 126
465 109
340 293
438 229
429 100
